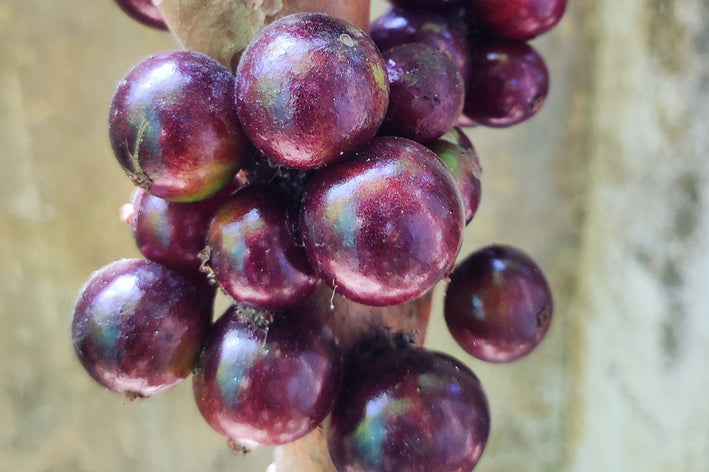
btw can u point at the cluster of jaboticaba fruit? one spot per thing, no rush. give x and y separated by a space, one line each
331 156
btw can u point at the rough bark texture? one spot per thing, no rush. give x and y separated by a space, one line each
608 188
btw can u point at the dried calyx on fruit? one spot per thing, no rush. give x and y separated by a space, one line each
324 180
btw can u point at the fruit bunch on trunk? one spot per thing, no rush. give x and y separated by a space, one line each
317 174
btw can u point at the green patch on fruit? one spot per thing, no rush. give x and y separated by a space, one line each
380 76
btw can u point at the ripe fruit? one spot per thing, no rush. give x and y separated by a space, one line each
385 225
310 89
517 19
267 384
409 410
426 92
458 154
256 254
498 305
173 126
171 233
138 326
400 26
508 85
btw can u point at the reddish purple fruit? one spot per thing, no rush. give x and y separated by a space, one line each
409 410
255 252
174 128
517 19
138 326
401 26
269 385
509 84
310 89
172 233
498 305
458 154
426 92
385 225
143 11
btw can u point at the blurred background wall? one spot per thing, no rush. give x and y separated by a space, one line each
607 188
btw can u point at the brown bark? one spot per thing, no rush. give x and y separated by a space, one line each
223 28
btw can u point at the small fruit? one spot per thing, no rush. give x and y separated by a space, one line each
173 126
310 89
409 410
256 255
458 154
426 92
138 326
498 305
267 382
508 84
385 225
517 19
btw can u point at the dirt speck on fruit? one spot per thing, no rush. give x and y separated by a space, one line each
238 448
347 40
134 396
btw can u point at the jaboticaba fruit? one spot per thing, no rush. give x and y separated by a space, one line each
311 88
138 325
173 126
384 225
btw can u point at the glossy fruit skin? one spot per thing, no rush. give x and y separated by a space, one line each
509 84
409 410
426 92
458 154
172 233
385 225
310 89
138 326
256 255
143 11
173 126
517 19
498 305
401 26
267 386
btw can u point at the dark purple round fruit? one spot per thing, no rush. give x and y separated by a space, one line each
426 92
173 126
508 85
267 386
255 253
400 26
385 225
143 11
409 410
498 305
138 326
310 89
517 19
458 154
172 233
